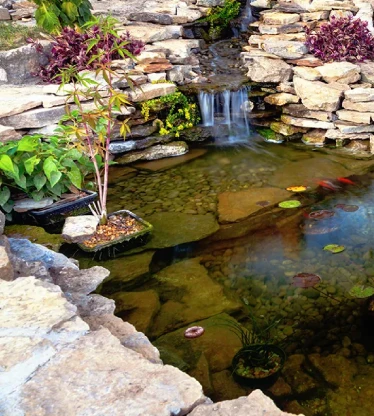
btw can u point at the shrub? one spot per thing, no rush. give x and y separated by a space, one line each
52 15
75 49
342 39
39 168
220 17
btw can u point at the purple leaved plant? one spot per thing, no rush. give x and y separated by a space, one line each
342 39
72 48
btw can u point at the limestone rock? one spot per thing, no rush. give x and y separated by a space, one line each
361 106
322 15
148 91
149 33
82 281
14 102
218 344
337 134
358 95
286 49
261 69
193 296
97 365
277 18
319 5
286 129
367 72
30 252
316 95
156 77
91 305
355 116
314 138
79 228
282 29
282 99
348 127
306 122
148 68
299 110
128 271
343 72
158 151
236 206
256 404
179 73
357 146
28 204
118 147
178 50
127 334
158 18
6 267
8 134
138 308
210 3
308 60
311 74
34 118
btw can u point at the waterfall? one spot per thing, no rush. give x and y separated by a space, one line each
226 108
247 17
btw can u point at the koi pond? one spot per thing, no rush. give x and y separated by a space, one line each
226 257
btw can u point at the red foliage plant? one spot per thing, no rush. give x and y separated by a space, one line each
342 39
72 48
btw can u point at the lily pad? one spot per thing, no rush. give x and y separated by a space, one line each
361 292
334 248
320 214
305 280
347 208
299 188
289 204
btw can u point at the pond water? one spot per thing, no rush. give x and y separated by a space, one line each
244 272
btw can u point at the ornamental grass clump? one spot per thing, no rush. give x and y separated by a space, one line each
82 50
342 39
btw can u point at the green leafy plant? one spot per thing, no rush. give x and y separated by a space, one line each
39 169
220 17
53 15
182 113
92 129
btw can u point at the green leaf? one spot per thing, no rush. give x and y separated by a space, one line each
361 292
8 206
290 204
55 177
37 195
39 181
21 182
47 18
4 195
6 164
70 9
28 143
31 163
76 177
49 166
334 248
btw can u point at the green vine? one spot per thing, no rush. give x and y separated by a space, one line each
220 17
182 113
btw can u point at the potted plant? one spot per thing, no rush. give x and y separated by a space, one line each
41 181
259 362
92 130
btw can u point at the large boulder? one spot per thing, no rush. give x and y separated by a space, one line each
316 95
343 72
262 69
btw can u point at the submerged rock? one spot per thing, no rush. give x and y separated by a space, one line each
192 296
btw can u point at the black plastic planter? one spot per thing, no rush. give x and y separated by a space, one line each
111 249
52 218
252 354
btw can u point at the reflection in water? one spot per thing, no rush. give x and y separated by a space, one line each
326 332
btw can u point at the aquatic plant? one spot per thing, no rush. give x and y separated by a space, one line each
342 39
310 280
82 50
182 113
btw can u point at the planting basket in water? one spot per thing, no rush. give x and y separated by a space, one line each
250 354
53 217
110 249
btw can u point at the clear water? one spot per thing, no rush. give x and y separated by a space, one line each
246 272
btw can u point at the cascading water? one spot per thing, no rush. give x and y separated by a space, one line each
247 17
229 109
